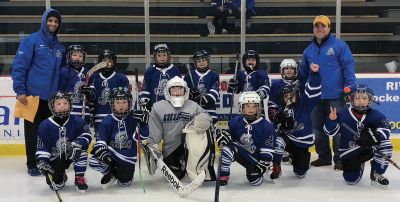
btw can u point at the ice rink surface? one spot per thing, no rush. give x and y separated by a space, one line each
320 185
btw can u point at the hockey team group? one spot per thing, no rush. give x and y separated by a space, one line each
171 120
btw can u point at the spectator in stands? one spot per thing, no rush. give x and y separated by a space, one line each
222 9
35 72
337 72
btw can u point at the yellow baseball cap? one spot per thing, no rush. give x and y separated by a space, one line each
323 19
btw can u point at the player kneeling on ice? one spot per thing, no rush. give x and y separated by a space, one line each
365 134
184 127
249 141
62 139
294 125
115 150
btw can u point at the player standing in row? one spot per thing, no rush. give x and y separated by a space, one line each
248 141
294 126
251 78
204 84
365 134
62 140
157 75
104 82
167 121
72 80
115 150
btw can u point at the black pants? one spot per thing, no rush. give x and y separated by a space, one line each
30 132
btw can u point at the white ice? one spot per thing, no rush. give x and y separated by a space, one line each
320 185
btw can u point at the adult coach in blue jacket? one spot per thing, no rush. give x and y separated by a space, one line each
35 71
336 67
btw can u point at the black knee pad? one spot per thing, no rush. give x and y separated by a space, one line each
365 155
124 173
351 165
300 158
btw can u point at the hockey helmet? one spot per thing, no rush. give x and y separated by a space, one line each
176 101
161 48
250 54
250 97
76 63
202 54
52 104
120 93
362 91
109 55
289 63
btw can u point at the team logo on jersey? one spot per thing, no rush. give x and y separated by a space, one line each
202 88
330 51
121 141
77 96
269 142
178 117
159 91
248 87
61 147
103 99
58 53
247 141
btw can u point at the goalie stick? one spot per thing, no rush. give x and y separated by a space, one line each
97 67
182 190
379 152
54 188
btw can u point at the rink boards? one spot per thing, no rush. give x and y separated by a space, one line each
386 88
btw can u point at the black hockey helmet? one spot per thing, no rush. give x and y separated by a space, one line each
120 93
60 95
161 48
250 54
291 93
201 54
107 54
362 90
75 63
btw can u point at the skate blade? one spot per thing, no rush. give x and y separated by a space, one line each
379 186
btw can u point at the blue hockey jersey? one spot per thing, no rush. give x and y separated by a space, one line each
120 137
71 81
255 81
154 82
208 84
373 119
258 138
53 138
103 88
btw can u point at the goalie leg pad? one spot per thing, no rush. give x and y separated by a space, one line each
150 160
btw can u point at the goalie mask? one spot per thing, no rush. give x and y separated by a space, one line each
176 91
289 69
249 105
76 57
107 54
60 104
201 61
289 96
161 55
362 98
250 65
121 102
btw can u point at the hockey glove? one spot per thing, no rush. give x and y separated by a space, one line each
74 150
145 105
233 84
263 166
368 138
45 168
103 156
194 95
262 94
284 120
223 138
89 92
206 100
142 116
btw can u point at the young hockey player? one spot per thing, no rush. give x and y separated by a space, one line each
104 82
249 141
365 134
62 140
157 76
204 84
167 121
115 150
72 80
294 126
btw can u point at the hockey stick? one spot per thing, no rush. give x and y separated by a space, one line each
97 67
234 78
217 181
139 144
379 152
54 187
182 190
190 75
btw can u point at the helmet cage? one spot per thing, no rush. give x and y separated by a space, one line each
56 96
362 89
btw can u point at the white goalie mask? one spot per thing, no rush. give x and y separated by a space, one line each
250 97
176 100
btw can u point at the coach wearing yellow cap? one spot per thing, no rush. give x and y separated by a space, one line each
335 62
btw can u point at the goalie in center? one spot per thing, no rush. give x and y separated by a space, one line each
184 128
